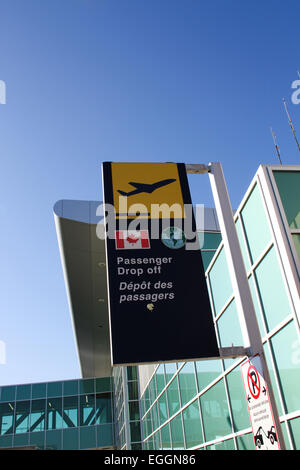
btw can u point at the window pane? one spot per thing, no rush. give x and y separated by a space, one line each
177 432
239 230
170 370
187 382
173 397
8 393
54 389
256 224
296 240
245 442
288 183
70 413
225 445
215 412
22 417
295 427
105 435
132 391
207 371
163 409
87 386
286 348
87 410
220 282
70 387
165 437
37 439
132 373
6 418
160 378
54 440
134 413
103 408
54 413
229 327
271 289
192 425
20 440
23 392
135 431
88 437
103 384
238 402
256 306
38 414
207 256
6 441
38 390
71 439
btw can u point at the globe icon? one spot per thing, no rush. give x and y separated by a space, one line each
173 237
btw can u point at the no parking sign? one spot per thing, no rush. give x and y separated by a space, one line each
259 407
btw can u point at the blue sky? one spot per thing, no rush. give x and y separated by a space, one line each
123 80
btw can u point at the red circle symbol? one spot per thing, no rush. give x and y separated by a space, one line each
253 382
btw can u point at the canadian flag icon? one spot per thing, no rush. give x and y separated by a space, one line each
132 239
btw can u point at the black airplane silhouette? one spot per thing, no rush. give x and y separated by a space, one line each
145 188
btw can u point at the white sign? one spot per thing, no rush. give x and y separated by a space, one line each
260 411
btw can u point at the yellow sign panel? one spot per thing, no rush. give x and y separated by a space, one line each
146 189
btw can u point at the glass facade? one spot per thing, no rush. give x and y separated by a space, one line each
75 414
202 405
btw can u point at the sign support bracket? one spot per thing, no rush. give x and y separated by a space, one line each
234 351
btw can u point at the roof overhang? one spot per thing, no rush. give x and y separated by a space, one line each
84 265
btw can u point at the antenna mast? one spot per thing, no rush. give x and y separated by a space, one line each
291 124
276 146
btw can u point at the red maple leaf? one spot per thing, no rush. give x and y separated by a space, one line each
132 239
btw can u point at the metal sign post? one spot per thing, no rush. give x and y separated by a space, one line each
249 326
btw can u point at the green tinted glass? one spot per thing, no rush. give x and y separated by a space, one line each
163 408
239 230
54 440
187 382
245 442
286 346
22 417
173 397
6 418
215 413
54 389
8 393
23 392
271 289
220 282
160 378
54 413
38 415
71 439
71 387
296 240
105 435
177 432
207 256
256 224
237 398
165 437
229 327
87 437
192 425
288 183
207 371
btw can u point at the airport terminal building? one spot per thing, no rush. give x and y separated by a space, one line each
194 405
